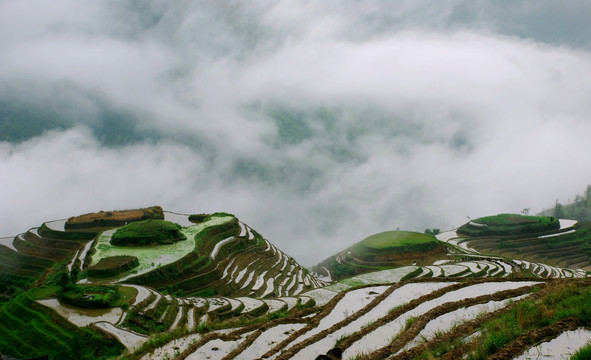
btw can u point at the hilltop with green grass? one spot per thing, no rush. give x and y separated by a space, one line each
148 232
544 239
395 242
509 224
389 249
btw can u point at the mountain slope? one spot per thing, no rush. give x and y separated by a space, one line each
221 291
390 249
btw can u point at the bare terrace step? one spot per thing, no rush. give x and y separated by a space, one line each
253 306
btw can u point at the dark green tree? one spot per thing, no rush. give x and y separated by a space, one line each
430 231
558 210
74 274
63 279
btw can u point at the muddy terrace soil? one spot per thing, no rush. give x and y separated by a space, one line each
113 218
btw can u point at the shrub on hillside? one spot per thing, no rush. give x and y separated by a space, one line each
89 297
199 218
148 232
222 214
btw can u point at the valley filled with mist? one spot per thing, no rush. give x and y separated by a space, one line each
318 122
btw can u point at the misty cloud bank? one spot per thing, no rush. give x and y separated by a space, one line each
317 124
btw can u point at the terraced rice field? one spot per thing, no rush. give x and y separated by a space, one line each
82 317
564 247
191 312
399 321
267 306
152 257
335 316
8 242
561 347
267 273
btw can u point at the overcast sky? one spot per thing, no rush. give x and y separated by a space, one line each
317 123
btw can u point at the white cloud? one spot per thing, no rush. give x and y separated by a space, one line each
413 119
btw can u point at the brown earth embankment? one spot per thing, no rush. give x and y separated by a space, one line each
113 218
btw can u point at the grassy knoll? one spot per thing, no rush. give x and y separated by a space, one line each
395 242
396 239
153 257
199 218
28 330
509 224
148 232
385 250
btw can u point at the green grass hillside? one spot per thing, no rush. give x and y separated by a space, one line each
395 242
381 251
509 224
568 248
